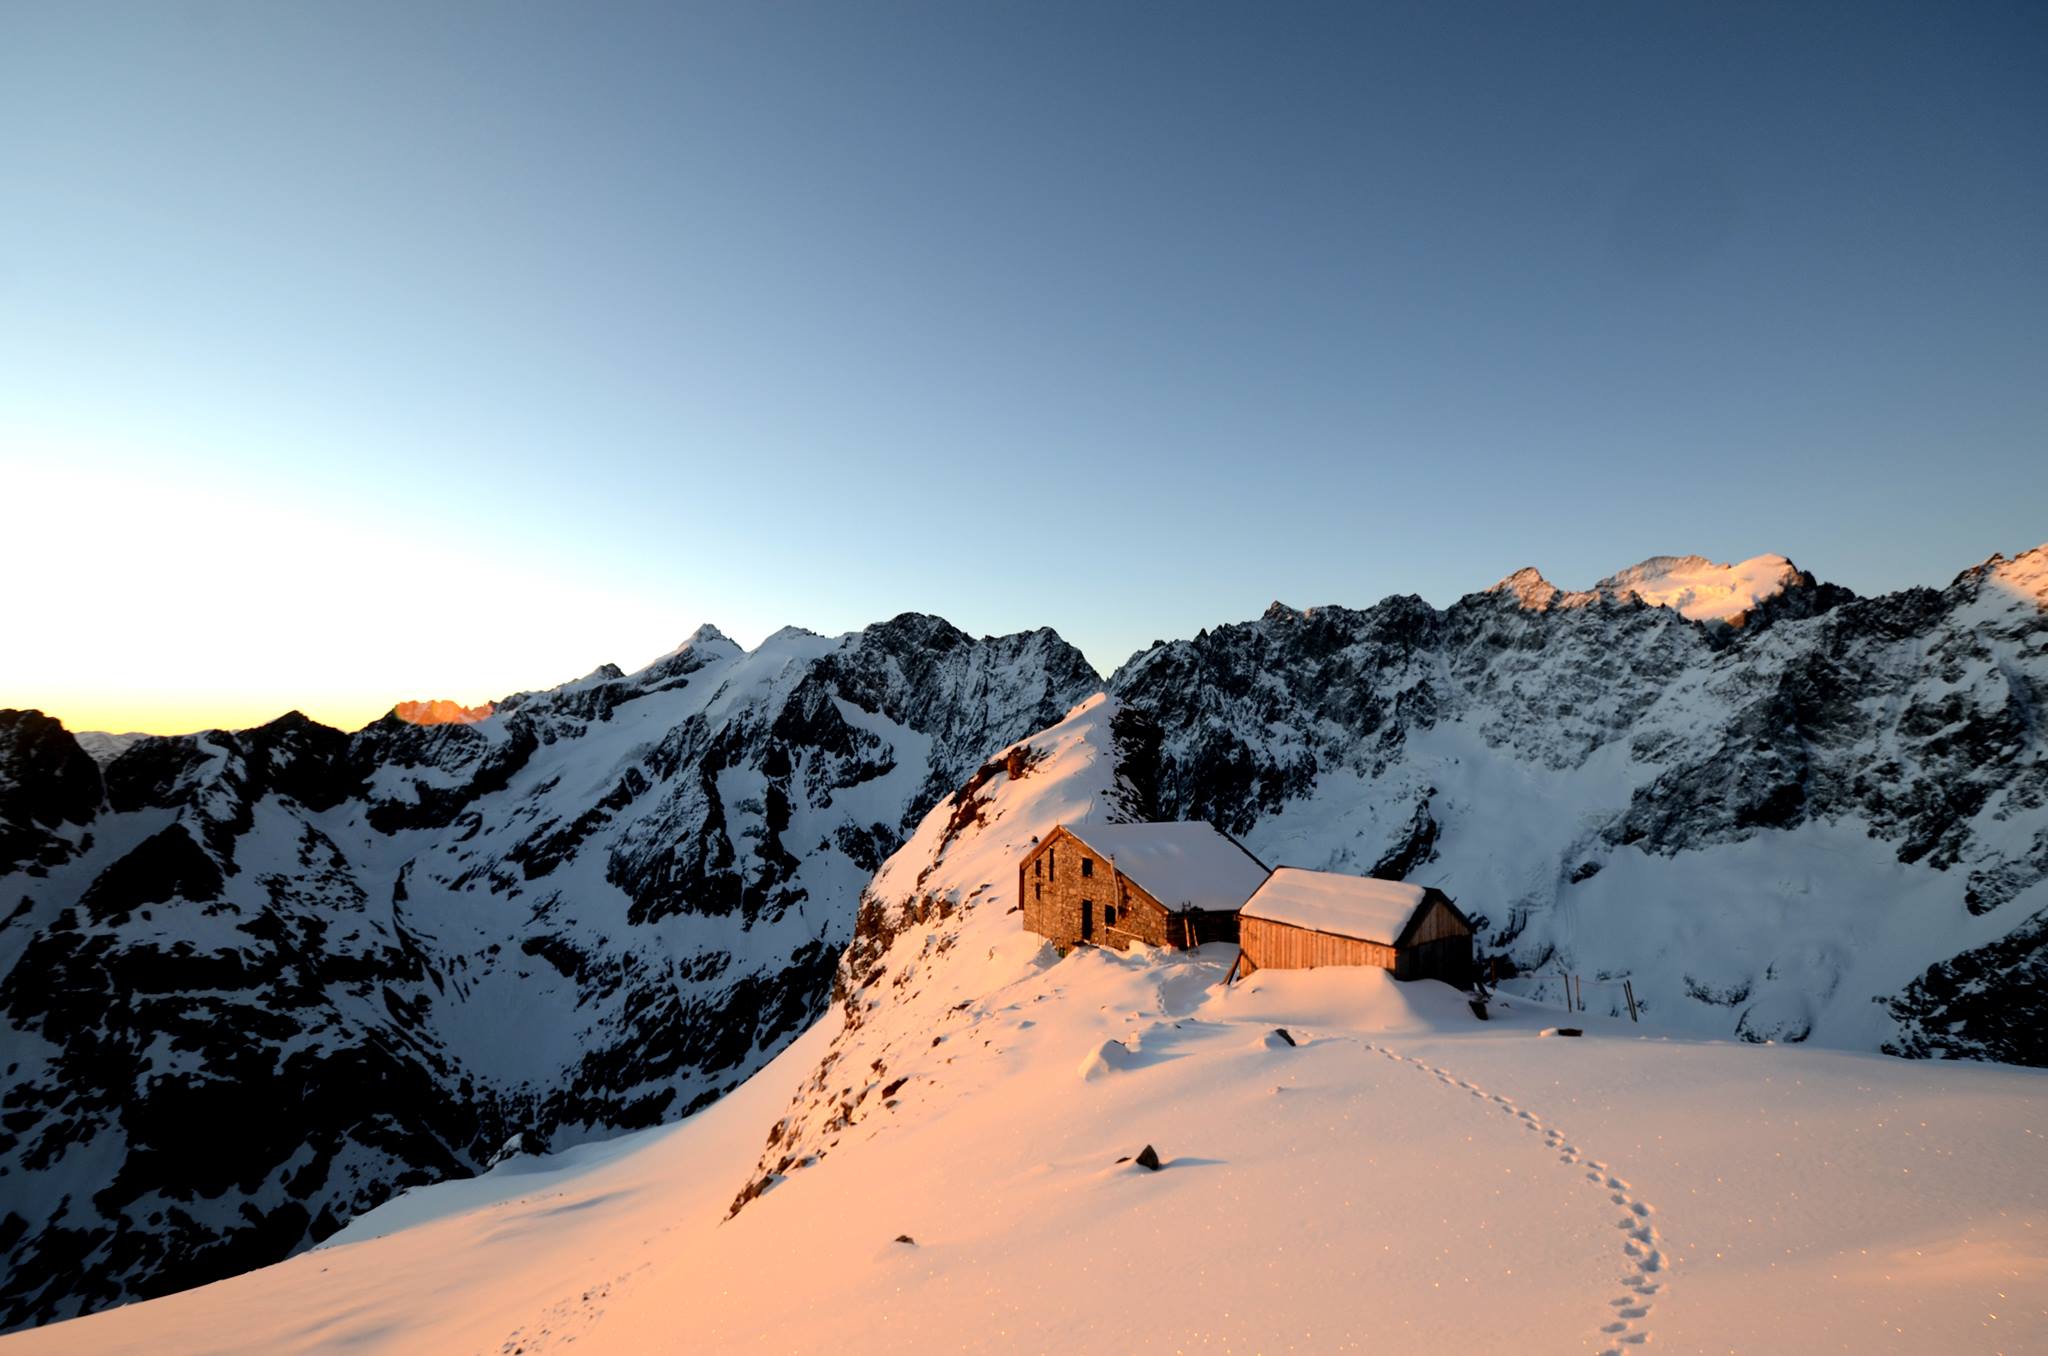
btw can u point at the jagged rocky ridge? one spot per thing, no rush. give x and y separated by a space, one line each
1828 818
256 981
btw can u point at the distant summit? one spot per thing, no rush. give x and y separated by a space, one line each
1696 588
441 713
1700 590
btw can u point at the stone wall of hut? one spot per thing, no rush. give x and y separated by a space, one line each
1064 880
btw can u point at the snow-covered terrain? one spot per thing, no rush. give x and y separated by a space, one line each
253 982
1390 1174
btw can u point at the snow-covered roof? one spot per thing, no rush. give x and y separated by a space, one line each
1344 906
1183 863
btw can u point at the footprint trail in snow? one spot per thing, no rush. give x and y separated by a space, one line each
1646 1267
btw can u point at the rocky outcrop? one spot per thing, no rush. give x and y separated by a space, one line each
49 790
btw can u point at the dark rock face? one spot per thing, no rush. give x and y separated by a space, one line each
1990 1002
47 786
255 982
167 865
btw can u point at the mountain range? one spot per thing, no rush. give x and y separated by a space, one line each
257 981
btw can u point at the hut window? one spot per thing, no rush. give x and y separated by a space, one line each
1087 866
1038 866
1108 914
1038 892
1052 859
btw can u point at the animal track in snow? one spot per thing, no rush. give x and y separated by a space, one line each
1643 1257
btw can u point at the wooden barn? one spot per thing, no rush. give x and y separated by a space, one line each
1300 920
1176 885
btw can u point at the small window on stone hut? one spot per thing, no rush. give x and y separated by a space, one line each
1038 892
1087 866
1052 861
1038 866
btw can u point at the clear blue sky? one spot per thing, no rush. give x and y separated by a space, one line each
351 352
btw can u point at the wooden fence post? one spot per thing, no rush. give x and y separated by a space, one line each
1628 990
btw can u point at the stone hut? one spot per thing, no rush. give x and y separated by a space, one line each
1299 920
1176 885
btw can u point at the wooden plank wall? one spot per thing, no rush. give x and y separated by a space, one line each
1437 923
1279 946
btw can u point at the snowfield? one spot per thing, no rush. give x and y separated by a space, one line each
1404 1177
944 1173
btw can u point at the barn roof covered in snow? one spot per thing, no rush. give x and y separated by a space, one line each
1190 863
1359 907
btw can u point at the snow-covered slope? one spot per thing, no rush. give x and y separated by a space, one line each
255 981
1392 1174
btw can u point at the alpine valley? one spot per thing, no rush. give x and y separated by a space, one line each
254 983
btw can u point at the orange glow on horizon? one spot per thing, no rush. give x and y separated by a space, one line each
176 714
311 603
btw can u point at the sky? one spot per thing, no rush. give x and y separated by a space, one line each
352 353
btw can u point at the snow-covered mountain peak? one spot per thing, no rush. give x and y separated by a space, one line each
705 640
1532 591
705 645
707 634
2024 577
1702 590
1696 588
441 711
